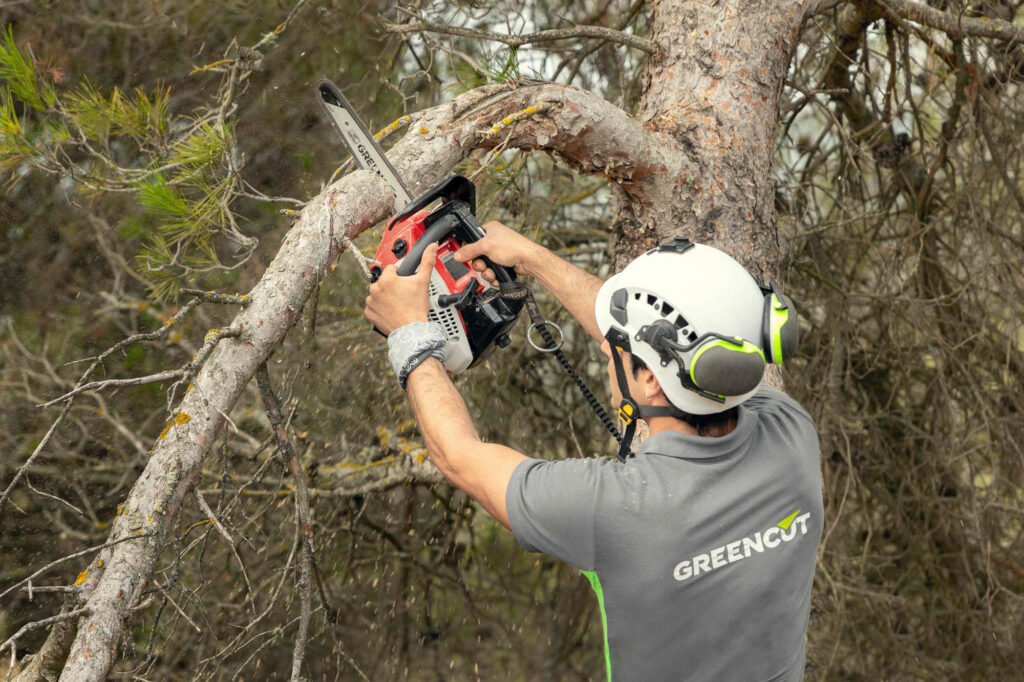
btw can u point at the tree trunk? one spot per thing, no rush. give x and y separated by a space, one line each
713 89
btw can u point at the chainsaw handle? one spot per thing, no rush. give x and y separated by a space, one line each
434 234
501 273
437 232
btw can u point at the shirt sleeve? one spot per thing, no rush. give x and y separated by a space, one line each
551 507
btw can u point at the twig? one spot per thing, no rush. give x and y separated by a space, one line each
29 627
184 615
304 518
31 458
52 497
952 25
216 297
361 260
118 383
43 589
546 36
231 543
272 36
69 557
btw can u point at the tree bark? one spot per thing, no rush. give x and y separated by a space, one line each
713 90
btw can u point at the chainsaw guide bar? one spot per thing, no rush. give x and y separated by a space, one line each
364 149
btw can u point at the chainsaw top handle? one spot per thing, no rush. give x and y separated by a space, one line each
454 218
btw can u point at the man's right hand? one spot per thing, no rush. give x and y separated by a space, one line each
502 246
576 289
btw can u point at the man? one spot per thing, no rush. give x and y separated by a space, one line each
701 548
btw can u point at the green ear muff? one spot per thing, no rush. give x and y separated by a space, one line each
727 367
779 327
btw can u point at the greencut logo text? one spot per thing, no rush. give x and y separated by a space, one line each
786 530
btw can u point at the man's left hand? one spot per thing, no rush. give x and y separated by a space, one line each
396 301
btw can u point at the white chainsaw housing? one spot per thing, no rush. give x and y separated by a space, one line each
457 354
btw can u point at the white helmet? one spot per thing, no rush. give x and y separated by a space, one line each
699 321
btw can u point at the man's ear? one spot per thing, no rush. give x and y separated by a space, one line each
650 384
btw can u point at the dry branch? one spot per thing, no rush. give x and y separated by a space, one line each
303 516
547 36
953 25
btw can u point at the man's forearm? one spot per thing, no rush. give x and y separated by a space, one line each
482 470
441 414
574 287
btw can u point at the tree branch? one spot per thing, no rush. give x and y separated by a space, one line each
29 627
546 36
302 513
953 25
119 383
359 200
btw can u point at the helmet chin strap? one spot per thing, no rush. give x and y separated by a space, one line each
629 409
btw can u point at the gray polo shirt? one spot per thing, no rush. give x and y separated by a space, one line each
701 550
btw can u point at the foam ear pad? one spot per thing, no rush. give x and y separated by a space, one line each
779 327
727 369
789 333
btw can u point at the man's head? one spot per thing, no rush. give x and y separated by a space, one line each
643 385
701 325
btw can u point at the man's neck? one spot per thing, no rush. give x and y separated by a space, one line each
659 424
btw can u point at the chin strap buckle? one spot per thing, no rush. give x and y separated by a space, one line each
627 411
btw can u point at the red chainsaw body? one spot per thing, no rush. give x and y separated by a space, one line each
400 237
449 277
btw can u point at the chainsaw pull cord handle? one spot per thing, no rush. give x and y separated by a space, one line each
519 292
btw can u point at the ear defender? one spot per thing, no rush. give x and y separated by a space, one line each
779 327
727 366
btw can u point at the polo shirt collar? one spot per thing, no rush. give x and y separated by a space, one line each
689 446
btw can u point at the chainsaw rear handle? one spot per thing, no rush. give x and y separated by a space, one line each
458 216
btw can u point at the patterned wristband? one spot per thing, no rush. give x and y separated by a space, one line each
410 345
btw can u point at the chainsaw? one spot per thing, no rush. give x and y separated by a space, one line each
473 323
476 317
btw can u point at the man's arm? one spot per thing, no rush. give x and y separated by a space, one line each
481 469
574 287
